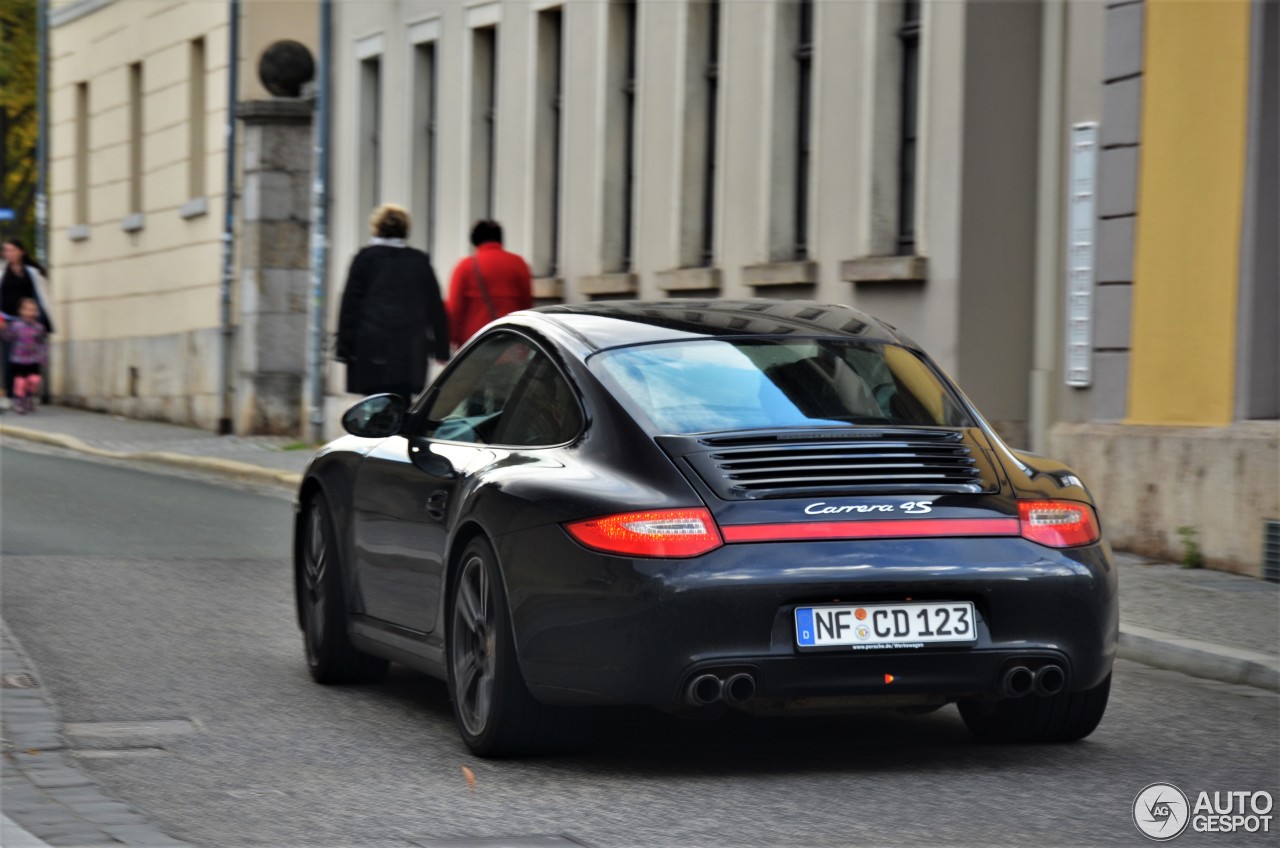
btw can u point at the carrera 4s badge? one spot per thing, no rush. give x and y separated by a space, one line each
910 507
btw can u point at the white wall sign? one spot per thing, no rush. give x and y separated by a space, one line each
1081 229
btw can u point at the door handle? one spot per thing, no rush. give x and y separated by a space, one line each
422 456
436 504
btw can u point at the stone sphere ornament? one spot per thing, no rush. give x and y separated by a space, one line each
285 66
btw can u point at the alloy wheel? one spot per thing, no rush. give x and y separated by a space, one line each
315 562
472 646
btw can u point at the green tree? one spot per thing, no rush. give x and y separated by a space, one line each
19 124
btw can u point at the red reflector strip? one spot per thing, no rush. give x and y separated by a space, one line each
908 528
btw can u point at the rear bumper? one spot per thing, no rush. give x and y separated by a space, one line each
593 628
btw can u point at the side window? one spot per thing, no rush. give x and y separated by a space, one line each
506 392
542 411
473 400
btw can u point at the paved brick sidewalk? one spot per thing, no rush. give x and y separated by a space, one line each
1200 622
48 800
1200 603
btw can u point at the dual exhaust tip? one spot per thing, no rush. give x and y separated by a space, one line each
1020 680
706 689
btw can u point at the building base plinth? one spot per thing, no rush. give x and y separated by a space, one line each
1217 485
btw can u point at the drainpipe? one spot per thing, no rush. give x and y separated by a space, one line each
42 160
229 223
1049 224
320 231
42 132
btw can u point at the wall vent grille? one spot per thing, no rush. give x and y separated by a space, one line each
1271 551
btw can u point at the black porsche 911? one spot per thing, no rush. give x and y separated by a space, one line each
775 507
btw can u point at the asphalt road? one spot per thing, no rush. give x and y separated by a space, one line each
166 602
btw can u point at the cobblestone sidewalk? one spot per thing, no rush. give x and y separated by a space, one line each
48 800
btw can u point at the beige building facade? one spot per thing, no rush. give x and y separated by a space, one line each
1071 203
138 109
973 172
878 154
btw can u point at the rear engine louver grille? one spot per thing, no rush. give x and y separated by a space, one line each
920 464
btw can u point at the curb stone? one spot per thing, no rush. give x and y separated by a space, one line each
226 467
1199 659
14 835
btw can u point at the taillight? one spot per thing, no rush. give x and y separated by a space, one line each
657 533
1058 524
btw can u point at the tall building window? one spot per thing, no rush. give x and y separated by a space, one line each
804 102
792 116
195 120
370 132
82 153
484 118
548 123
620 136
425 98
908 125
702 92
135 139
711 87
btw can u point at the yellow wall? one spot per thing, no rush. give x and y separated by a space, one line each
1190 202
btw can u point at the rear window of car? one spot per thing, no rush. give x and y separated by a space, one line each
708 385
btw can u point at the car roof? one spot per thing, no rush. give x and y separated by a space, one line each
621 323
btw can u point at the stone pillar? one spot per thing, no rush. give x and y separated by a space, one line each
274 228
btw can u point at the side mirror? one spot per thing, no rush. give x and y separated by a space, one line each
376 417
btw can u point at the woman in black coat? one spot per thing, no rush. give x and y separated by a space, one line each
392 319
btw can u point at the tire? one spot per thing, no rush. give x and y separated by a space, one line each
322 608
1065 717
492 707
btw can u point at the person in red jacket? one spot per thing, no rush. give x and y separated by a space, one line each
486 285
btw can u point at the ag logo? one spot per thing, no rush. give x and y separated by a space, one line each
1161 811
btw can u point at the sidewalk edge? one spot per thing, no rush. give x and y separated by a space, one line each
1199 659
225 467
14 835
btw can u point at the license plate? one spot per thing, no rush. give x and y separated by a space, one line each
870 626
